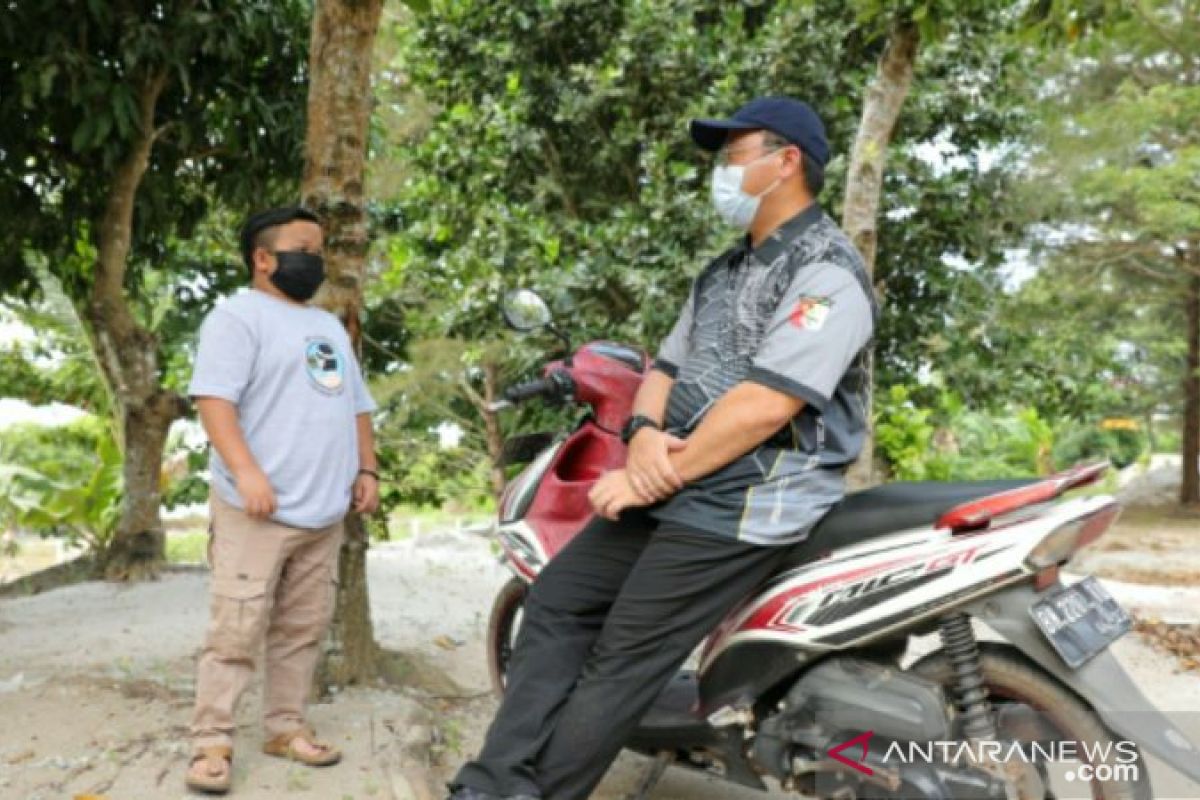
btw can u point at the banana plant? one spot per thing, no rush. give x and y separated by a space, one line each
83 512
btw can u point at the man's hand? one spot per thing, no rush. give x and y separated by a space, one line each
258 498
649 465
613 493
366 494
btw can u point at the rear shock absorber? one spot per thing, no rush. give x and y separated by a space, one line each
958 640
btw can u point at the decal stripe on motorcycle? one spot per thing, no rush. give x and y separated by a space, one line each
881 626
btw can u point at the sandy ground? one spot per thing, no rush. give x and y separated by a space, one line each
96 681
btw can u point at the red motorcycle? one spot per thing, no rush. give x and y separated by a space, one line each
803 681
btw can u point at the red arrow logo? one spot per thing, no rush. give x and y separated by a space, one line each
863 739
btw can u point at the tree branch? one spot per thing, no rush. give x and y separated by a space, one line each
1153 24
881 108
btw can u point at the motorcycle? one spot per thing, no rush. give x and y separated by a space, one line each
810 681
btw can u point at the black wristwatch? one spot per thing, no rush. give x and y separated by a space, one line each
635 424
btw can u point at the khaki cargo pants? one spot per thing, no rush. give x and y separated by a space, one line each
272 584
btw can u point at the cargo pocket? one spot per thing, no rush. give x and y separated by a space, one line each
239 616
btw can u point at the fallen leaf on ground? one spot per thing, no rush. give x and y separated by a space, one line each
1180 640
20 757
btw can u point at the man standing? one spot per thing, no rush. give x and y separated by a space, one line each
284 405
738 445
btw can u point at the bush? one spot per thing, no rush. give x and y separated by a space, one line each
1091 443
1168 440
62 481
187 547
948 442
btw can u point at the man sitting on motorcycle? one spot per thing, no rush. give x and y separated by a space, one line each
739 442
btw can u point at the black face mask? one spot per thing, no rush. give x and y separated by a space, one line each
298 274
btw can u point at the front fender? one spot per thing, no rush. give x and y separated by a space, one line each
1101 681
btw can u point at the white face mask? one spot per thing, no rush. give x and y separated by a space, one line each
732 204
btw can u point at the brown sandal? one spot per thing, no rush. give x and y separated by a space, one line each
282 747
215 780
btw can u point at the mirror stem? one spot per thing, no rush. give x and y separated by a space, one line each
554 329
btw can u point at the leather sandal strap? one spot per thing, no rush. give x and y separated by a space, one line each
211 754
309 737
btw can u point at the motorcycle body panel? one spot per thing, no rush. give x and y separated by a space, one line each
1101 681
854 604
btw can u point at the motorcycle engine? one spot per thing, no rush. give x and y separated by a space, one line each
844 697
856 709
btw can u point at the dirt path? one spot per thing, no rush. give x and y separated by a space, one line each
1148 545
96 682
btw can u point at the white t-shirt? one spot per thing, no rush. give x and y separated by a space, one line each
292 374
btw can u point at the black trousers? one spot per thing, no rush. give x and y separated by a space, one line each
607 624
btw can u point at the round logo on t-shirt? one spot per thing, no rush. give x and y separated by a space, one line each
325 365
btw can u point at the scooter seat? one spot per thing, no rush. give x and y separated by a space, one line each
893 507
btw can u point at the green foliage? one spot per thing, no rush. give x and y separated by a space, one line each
133 129
1106 198
1091 443
1169 441
63 453
187 486
63 482
1077 348
949 442
1112 174
73 81
20 488
56 364
904 435
187 547
435 477
557 156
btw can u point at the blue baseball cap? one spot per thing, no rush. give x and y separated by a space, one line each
794 120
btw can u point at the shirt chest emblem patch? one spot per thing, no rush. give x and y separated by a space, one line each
810 313
326 367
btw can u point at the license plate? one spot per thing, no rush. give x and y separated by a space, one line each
1081 620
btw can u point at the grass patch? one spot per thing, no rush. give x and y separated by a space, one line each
187 547
406 521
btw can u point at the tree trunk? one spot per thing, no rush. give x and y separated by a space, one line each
864 180
128 357
138 547
339 109
1189 492
353 656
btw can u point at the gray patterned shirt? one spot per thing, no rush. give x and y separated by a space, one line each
796 314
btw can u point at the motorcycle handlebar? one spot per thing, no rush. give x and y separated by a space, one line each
524 391
556 384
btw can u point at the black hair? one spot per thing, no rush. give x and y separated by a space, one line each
814 176
814 173
260 229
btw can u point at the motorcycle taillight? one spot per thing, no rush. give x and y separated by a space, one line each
1062 542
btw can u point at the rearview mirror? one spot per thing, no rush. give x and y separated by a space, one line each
524 310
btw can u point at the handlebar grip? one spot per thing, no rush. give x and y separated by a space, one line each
555 386
524 391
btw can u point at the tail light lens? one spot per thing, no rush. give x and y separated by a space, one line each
1061 543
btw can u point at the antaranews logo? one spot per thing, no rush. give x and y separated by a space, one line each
1097 761
863 740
